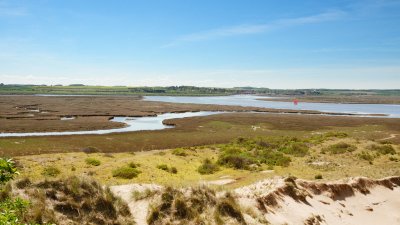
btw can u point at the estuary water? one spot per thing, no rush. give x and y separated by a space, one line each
251 100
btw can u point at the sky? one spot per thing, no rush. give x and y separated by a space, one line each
226 43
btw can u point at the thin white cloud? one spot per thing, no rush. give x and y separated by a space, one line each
257 28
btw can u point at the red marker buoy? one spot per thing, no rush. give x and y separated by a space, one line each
295 101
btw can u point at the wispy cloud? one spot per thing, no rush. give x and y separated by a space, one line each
248 29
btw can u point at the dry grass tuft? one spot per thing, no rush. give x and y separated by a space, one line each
75 200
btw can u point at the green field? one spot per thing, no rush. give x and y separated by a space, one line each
79 89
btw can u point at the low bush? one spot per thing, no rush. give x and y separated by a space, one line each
92 161
179 152
50 171
382 149
339 148
126 172
208 167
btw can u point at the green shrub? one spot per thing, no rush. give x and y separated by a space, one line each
339 148
382 149
366 156
276 159
50 171
7 170
126 172
179 152
208 167
92 161
11 210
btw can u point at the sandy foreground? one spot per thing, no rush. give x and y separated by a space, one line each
293 201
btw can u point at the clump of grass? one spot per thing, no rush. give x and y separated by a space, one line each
162 167
339 148
140 195
382 149
92 161
23 183
208 167
126 172
76 200
50 171
320 138
179 152
394 159
133 165
318 176
228 207
298 149
171 169
366 156
336 134
179 208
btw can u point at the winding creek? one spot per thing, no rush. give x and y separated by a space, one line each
156 122
132 124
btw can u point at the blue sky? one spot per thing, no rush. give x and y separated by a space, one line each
224 43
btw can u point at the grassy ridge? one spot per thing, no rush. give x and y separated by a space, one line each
79 89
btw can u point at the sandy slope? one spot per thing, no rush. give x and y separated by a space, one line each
290 201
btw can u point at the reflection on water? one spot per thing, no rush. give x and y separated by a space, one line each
132 124
250 100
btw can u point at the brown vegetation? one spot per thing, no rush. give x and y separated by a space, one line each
196 131
73 201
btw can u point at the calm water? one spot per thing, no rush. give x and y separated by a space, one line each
248 100
133 124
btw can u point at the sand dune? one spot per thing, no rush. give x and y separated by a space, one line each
293 201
